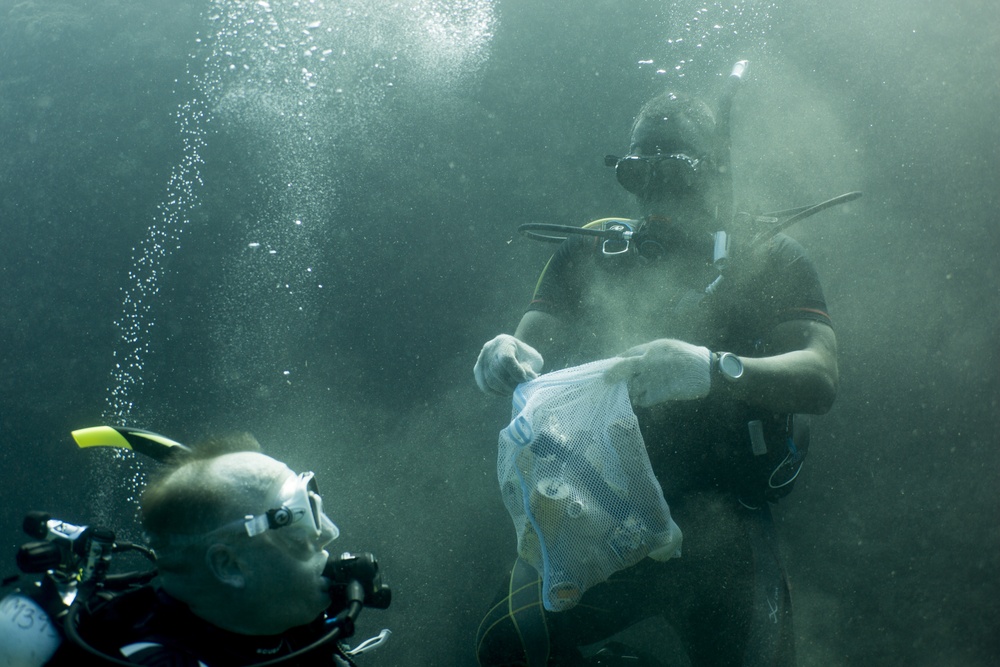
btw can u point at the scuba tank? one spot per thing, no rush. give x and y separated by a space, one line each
28 637
73 560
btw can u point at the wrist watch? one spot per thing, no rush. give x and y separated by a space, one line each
730 366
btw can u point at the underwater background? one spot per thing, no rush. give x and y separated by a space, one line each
298 218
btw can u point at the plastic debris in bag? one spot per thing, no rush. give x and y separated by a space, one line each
577 482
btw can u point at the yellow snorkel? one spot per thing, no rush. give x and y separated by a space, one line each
151 444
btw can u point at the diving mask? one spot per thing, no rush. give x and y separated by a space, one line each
301 506
300 502
645 175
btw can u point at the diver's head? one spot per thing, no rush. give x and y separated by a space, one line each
240 539
671 167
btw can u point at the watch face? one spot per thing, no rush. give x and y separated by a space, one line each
731 366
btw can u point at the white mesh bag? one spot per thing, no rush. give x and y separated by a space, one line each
576 479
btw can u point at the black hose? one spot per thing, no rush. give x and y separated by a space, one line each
531 230
807 211
343 619
73 634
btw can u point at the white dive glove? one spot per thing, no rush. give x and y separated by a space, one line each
504 363
664 370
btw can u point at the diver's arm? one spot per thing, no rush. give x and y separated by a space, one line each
544 332
801 377
506 361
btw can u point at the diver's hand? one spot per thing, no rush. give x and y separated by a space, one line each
664 370
504 363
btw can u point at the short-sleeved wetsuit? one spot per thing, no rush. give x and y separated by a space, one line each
726 597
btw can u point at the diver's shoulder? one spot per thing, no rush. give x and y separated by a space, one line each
782 250
783 244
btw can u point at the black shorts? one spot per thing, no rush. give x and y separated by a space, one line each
726 599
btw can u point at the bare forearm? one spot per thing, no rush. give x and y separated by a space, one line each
801 379
542 331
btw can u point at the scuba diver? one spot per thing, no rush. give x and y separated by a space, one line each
242 575
720 328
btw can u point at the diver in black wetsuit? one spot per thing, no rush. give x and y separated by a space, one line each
721 367
242 578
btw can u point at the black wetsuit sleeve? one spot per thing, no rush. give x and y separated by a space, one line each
798 294
788 288
559 286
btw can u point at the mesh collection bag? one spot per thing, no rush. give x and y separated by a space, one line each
577 482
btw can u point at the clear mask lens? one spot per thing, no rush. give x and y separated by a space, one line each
301 502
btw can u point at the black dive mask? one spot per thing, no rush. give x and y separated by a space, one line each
648 175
